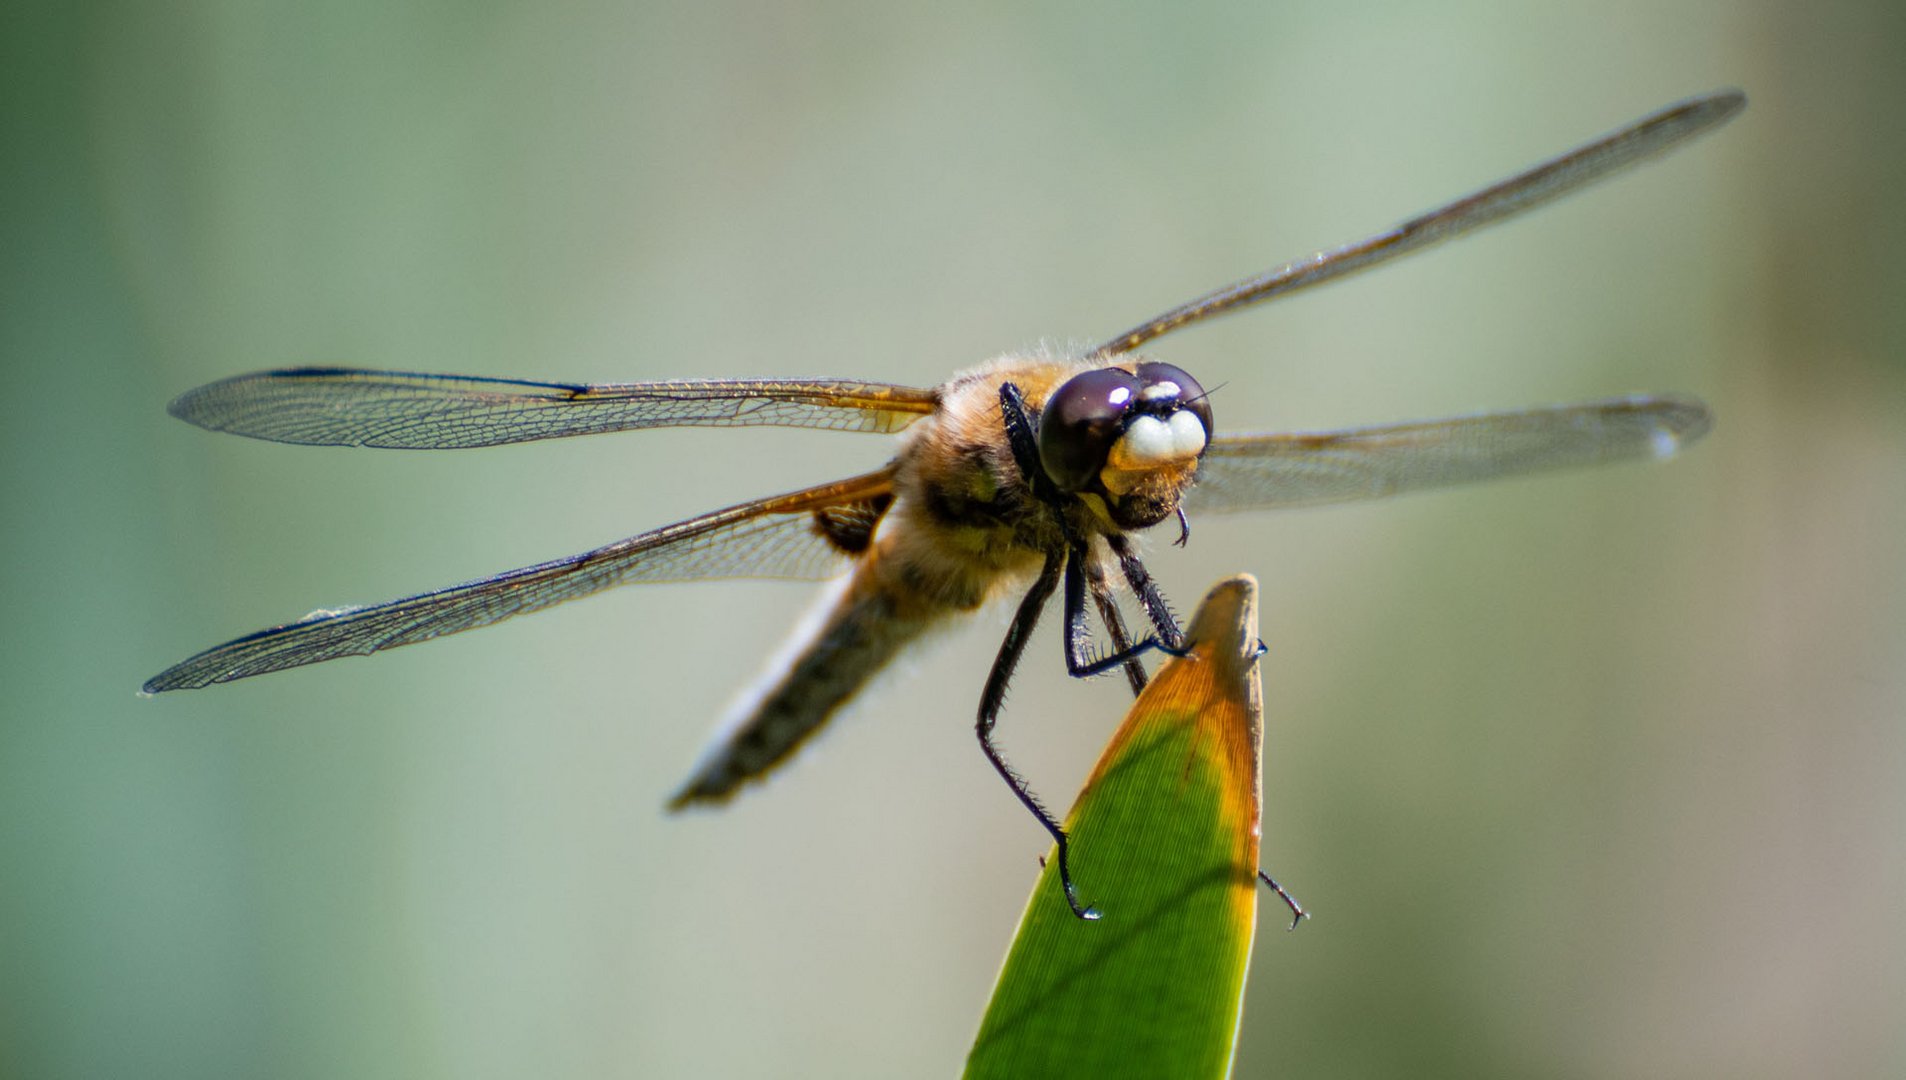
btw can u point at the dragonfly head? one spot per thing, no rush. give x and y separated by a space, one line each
1131 437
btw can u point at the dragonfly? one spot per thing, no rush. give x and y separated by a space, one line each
1029 475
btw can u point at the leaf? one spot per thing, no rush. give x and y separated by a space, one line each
1165 844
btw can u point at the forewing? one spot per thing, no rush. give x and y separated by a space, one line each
807 534
1550 180
348 407
1257 472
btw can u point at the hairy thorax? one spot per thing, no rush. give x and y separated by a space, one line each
964 526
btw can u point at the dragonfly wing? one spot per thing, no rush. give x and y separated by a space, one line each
1257 472
349 407
1552 179
807 534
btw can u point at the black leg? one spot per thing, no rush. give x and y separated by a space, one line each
1079 662
1153 601
1024 441
1114 621
1298 914
994 696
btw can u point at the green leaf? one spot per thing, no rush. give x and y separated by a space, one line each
1164 843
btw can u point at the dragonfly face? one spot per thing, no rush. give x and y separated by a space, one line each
1028 473
1132 439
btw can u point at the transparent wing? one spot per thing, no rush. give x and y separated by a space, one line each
347 407
1550 180
808 534
1258 472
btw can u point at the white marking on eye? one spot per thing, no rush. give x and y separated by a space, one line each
1663 442
1163 390
1119 395
1187 434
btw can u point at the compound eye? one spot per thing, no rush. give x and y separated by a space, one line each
1168 386
1082 420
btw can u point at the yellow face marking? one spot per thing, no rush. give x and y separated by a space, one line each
1121 481
1097 506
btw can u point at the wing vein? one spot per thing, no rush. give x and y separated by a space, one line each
402 410
1269 471
773 537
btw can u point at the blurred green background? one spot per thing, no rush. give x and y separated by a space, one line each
1597 774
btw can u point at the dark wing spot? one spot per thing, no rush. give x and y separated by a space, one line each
850 526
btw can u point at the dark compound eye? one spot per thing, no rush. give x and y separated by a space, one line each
1082 420
1163 387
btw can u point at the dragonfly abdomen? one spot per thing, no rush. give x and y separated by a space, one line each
854 630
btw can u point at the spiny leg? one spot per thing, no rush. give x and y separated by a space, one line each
1145 589
1023 440
1298 914
1078 636
994 696
1114 621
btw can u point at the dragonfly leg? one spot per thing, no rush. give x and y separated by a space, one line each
1079 661
1298 914
994 696
1114 621
1157 608
1023 438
